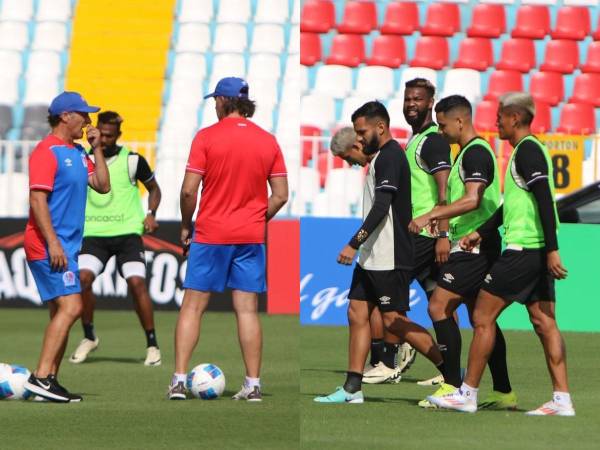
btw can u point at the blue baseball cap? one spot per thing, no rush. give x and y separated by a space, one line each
230 87
70 101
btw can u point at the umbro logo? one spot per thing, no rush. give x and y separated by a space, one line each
488 278
68 162
448 278
385 300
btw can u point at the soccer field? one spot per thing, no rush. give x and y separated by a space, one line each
125 403
390 417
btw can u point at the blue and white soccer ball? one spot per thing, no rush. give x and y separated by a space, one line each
12 382
206 381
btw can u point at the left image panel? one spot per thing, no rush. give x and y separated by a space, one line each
149 256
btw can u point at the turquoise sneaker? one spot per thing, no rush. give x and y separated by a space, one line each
341 396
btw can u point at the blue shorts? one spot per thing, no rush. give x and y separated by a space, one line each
51 283
213 267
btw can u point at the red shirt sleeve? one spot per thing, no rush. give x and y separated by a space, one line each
90 164
197 159
278 168
42 169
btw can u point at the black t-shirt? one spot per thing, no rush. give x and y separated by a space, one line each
435 151
478 165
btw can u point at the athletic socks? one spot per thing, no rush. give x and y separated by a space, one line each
497 364
178 377
469 392
390 355
562 398
251 382
151 338
449 340
353 382
377 351
88 331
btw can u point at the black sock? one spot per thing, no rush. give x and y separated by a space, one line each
377 350
390 355
497 364
151 338
353 382
88 331
448 337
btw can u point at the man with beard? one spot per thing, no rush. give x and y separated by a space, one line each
428 156
382 276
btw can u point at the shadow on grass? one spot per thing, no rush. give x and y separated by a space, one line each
99 359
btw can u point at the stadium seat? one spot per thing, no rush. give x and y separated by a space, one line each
317 110
485 116
443 19
547 87
334 80
6 120
271 11
310 49
11 62
308 188
303 79
290 95
533 22
9 89
50 36
572 22
517 54
592 63
293 69
43 61
263 91
561 56
20 10
295 19
318 16
193 37
411 73
577 118
400 18
263 116
344 184
360 17
542 121
264 66
13 35
388 50
502 81
226 65
189 66
596 34
347 50
294 41
310 147
375 82
230 37
475 53
199 11
587 89
432 52
488 21
325 166
209 115
186 92
40 89
350 105
268 38
234 11
398 122
53 10
465 82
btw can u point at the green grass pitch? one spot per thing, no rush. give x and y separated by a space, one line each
390 418
125 405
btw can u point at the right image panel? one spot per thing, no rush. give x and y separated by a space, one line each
448 184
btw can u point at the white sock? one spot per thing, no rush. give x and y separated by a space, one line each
469 392
177 377
562 398
251 382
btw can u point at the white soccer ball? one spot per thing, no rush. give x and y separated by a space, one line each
206 381
12 382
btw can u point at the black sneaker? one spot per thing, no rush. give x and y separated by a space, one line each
46 388
177 391
73 398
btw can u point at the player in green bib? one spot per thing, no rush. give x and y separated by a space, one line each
473 197
114 224
526 271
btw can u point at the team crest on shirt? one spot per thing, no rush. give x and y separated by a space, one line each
385 300
69 278
68 162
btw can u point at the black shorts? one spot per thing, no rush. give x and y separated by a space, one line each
464 272
129 250
388 289
425 269
521 276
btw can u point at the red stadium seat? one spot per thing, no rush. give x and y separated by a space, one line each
360 17
596 34
400 18
517 54
489 21
432 52
533 22
338 163
485 115
388 50
502 81
577 118
475 53
310 49
307 145
347 50
561 56
593 58
443 19
399 133
318 16
542 122
572 22
547 87
587 89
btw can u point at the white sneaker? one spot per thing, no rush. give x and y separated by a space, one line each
152 357
552 408
435 381
407 357
382 374
455 400
251 394
85 347
367 368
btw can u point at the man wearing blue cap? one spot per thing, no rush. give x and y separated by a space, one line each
59 173
234 160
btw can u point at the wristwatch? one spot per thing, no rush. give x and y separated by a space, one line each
442 234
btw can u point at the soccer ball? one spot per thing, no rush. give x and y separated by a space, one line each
206 381
12 382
